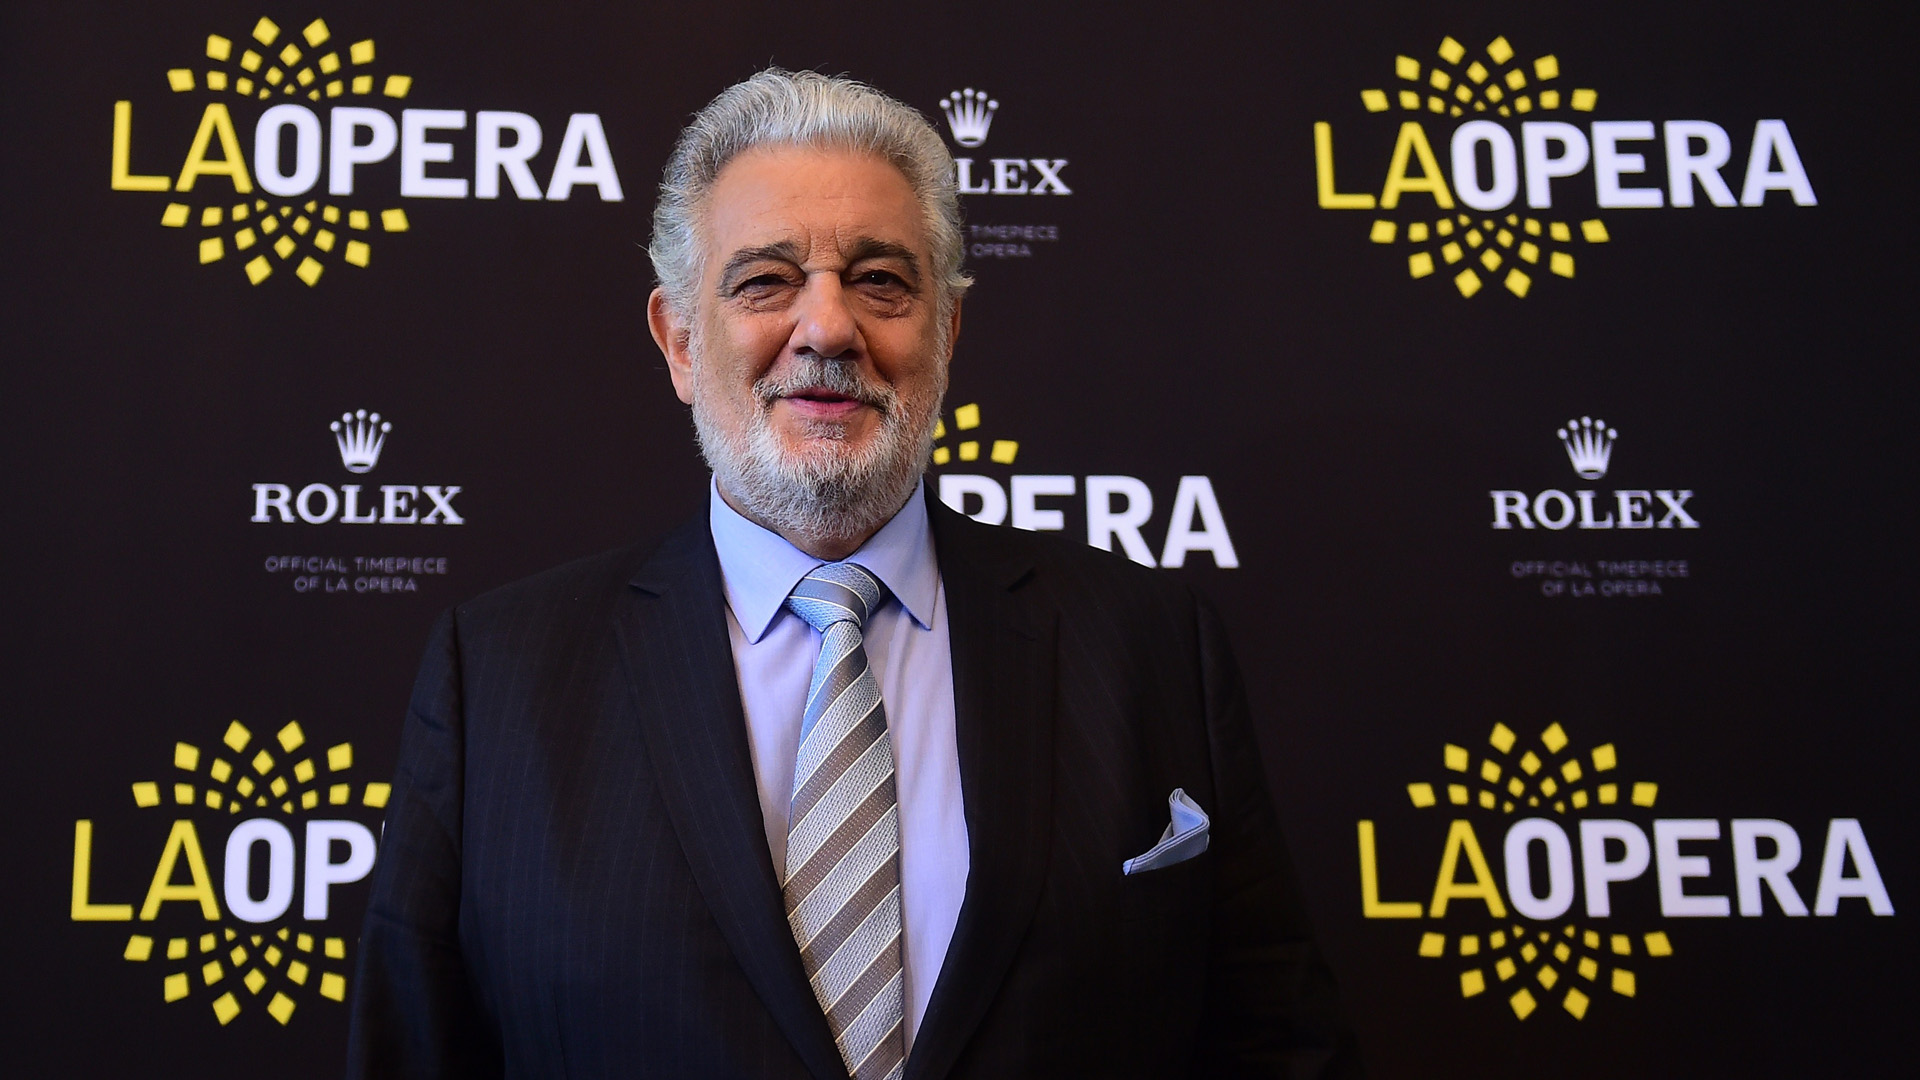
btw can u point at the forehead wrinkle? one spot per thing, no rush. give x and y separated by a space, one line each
808 219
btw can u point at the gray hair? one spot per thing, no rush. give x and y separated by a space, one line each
803 108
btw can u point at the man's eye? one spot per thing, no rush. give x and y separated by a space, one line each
882 278
761 283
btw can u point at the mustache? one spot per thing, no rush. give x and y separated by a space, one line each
817 373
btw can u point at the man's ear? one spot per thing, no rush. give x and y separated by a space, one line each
671 332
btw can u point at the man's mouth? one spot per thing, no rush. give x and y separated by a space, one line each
820 403
818 390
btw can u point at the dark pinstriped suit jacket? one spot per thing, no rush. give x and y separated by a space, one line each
575 879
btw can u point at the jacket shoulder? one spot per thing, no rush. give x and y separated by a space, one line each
585 585
1057 561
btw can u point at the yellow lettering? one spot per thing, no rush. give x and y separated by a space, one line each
84 909
216 121
1323 168
1460 838
1370 905
182 840
1413 139
123 180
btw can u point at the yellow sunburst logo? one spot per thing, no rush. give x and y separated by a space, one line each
258 956
1525 963
1473 250
265 234
966 419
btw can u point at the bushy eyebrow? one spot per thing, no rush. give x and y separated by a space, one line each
868 247
780 251
787 251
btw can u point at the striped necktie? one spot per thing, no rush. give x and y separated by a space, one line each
842 878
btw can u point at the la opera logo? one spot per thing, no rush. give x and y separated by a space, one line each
249 839
321 110
1501 206
1118 509
1590 880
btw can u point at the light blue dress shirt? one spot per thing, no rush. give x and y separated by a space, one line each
906 641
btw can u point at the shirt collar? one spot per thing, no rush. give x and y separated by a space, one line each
759 567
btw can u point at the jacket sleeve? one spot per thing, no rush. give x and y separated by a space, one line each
1272 1009
415 1014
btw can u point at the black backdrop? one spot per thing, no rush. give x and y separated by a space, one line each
1188 310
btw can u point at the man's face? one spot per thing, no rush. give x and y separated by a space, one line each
815 355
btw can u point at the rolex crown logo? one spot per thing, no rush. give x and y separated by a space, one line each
969 115
1589 445
360 436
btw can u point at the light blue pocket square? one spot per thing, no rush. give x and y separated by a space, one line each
1186 836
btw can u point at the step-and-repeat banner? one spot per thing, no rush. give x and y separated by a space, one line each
1529 385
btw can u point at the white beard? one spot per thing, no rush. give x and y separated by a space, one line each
828 493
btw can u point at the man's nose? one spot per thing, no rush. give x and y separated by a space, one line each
825 324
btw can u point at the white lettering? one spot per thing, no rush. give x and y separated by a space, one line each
1673 501
1466 165
1520 869
1565 516
955 487
416 152
1026 514
307 514
322 872
1510 502
1684 166
239 875
1542 168
272 497
442 512
350 503
398 500
1674 868
1600 872
1195 498
1104 524
1633 507
1049 170
1609 164
306 155
1586 512
1749 869
1770 140
963 177
343 153
491 158
1006 173
1844 837
584 159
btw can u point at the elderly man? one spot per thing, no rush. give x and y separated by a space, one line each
831 781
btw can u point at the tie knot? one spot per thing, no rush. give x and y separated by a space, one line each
840 592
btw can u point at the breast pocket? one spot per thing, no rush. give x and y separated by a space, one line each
1172 899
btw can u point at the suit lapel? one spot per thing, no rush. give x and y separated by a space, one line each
1003 686
673 637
